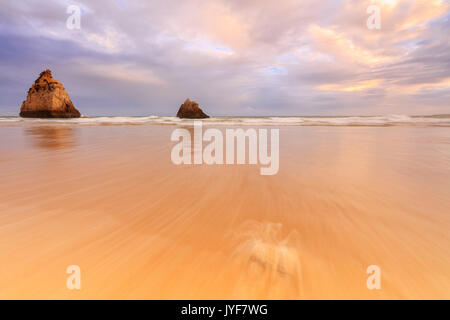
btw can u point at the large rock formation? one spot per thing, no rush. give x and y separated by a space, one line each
47 98
189 109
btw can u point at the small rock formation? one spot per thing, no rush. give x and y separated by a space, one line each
47 98
190 110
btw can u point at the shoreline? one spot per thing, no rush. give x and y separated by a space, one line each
340 121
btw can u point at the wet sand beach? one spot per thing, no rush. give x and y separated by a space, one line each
109 199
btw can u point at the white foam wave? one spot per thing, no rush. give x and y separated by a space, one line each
389 120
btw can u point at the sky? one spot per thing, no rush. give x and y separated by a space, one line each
234 57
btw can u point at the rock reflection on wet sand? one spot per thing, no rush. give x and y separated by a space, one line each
51 137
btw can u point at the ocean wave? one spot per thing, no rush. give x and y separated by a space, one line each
388 120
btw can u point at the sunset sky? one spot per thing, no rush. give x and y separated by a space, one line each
234 57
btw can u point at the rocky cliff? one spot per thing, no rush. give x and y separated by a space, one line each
189 109
47 98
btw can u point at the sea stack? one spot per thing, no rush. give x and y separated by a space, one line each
47 98
190 110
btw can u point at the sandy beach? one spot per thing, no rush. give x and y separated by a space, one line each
108 199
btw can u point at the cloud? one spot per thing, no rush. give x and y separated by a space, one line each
234 57
358 86
337 45
124 72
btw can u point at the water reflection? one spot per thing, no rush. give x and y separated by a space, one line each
51 137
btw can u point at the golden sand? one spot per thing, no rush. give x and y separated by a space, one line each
109 199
